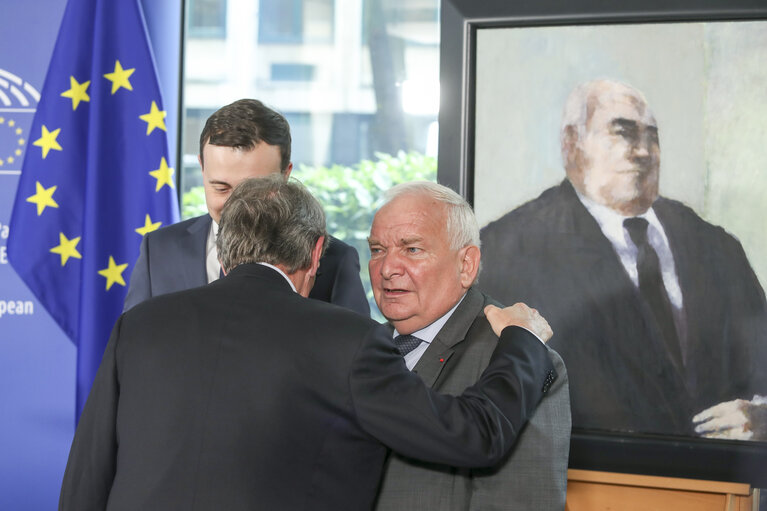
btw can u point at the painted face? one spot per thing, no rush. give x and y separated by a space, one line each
226 167
618 158
415 275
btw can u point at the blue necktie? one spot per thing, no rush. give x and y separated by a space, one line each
406 343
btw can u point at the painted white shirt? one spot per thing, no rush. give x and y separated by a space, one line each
612 227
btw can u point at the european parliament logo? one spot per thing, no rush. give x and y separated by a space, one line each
18 101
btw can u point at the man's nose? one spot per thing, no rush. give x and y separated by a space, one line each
641 149
390 265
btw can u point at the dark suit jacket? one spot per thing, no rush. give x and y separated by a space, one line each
243 395
173 259
551 254
533 477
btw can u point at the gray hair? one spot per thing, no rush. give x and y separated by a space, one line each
462 227
270 220
583 100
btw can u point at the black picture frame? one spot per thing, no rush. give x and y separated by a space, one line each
722 460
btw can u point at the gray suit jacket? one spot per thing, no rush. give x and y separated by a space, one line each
533 477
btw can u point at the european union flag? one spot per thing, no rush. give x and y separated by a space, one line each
95 178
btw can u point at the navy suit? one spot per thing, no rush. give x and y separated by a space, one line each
173 259
551 254
243 395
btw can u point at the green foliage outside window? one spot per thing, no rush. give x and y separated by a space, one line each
349 195
193 203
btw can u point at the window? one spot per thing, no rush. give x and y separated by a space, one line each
362 110
295 21
292 72
207 18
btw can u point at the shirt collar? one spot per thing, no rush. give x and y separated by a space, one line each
611 222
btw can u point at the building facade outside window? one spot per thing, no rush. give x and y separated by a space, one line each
206 18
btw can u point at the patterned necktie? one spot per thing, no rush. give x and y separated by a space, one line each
651 285
406 343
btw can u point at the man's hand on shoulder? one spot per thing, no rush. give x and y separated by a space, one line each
520 315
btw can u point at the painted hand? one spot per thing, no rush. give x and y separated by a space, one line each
738 419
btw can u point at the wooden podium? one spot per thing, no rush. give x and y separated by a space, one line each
602 491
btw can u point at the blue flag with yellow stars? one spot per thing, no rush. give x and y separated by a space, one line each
96 176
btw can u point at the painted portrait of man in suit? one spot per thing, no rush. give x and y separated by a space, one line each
661 321
659 315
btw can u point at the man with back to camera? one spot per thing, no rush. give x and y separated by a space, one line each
425 259
244 395
660 319
241 140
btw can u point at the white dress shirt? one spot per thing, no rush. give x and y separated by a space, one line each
212 266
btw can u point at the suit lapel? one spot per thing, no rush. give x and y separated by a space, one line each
192 252
694 281
438 354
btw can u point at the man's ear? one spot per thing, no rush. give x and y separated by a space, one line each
570 148
288 171
316 254
469 260
306 282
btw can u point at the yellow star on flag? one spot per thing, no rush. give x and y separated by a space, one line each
48 141
148 226
119 77
154 119
77 92
113 273
163 175
67 248
43 197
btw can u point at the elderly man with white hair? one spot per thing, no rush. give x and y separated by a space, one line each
424 261
659 316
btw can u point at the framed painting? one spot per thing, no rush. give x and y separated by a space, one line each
561 119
